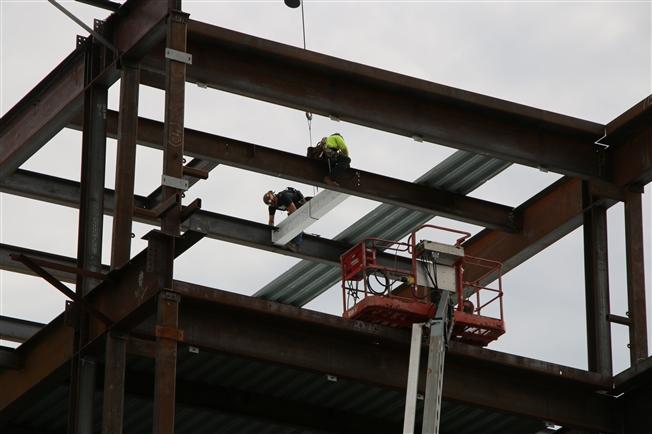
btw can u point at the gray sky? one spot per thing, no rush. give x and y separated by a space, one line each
586 59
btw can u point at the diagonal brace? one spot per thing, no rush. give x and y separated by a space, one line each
61 287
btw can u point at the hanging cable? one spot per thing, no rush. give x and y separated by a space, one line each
315 189
303 26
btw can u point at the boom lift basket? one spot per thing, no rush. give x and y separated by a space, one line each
398 284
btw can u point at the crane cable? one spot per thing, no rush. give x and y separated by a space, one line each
308 114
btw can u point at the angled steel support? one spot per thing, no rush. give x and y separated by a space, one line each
32 265
45 110
63 268
596 273
355 182
125 165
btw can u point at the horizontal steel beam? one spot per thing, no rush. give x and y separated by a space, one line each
45 110
309 81
296 337
309 340
216 226
263 408
269 161
65 273
17 330
9 359
547 217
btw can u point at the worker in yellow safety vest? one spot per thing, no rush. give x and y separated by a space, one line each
332 149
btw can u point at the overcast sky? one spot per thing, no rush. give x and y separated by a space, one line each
590 60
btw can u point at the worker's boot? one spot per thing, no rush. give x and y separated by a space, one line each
330 181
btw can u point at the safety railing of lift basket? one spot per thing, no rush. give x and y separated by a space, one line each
493 269
373 246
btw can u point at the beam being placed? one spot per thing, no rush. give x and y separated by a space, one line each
308 214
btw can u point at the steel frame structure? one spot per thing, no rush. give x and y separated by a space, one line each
151 315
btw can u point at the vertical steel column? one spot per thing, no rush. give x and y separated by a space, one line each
596 275
173 138
89 241
125 165
635 277
167 334
162 245
114 383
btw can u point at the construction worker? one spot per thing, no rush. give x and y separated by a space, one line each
336 154
288 200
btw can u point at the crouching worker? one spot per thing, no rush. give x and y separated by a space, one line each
288 200
332 149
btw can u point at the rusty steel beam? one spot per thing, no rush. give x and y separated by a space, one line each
596 272
9 359
629 137
89 239
356 182
45 110
634 249
126 296
64 271
17 330
309 81
547 217
216 226
125 166
265 408
114 383
295 337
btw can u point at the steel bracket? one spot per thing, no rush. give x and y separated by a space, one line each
171 296
171 333
178 183
178 56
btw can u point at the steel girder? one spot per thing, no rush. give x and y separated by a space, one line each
547 217
264 330
273 162
303 339
309 81
541 227
45 110
17 330
629 137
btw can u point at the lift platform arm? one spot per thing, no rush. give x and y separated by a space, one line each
441 327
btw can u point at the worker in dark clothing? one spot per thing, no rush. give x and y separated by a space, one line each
333 149
288 200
